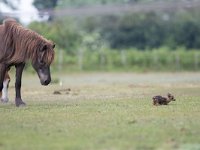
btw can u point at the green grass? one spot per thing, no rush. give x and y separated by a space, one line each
88 119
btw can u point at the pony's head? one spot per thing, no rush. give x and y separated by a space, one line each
43 59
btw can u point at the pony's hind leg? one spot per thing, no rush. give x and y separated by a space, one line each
2 76
4 96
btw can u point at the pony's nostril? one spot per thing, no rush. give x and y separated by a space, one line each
46 82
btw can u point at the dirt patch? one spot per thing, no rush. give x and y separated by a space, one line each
62 91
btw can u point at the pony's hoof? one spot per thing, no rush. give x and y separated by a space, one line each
19 103
4 100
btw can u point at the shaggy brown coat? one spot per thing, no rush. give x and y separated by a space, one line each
17 45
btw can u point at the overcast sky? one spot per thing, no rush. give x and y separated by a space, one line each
26 11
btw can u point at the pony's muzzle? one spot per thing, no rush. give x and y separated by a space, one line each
44 79
45 82
44 76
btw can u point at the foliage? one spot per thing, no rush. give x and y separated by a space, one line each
138 30
45 4
136 41
148 30
105 59
134 30
79 3
10 3
46 7
63 32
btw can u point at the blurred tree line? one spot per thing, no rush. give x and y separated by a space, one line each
134 41
137 30
142 30
144 40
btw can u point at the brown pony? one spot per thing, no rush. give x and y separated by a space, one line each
17 46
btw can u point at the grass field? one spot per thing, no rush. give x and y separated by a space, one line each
104 111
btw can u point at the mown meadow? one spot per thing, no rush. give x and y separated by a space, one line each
104 111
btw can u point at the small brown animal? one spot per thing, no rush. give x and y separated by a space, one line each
159 100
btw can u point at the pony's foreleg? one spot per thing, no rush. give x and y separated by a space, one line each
18 99
2 75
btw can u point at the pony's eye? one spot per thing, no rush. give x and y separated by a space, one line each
41 62
43 48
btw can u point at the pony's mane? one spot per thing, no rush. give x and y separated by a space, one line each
24 43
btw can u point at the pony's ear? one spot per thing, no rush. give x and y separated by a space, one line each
54 45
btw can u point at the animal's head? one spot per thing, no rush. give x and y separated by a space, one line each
43 59
171 97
